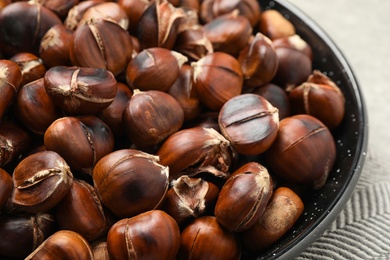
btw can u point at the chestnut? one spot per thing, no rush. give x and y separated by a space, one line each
6 186
194 150
30 65
130 182
93 45
274 25
76 13
243 197
99 250
23 233
218 77
34 108
81 141
283 210
134 10
320 97
250 123
154 69
150 235
80 90
108 10
150 117
65 244
303 152
205 238
41 181
10 79
60 7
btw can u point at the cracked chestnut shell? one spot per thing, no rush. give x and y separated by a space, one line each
80 90
41 181
250 123
303 152
243 197
30 65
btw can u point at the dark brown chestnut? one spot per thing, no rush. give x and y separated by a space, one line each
283 210
79 90
130 182
65 244
250 123
59 7
274 25
30 65
81 141
6 186
41 181
243 197
303 152
150 117
76 13
205 238
10 79
150 235
134 10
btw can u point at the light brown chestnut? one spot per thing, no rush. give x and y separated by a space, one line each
274 25
196 150
130 182
303 152
283 210
108 10
81 141
243 197
99 250
10 79
150 235
6 186
218 77
154 69
80 90
205 238
250 123
76 13
30 65
150 117
65 244
41 181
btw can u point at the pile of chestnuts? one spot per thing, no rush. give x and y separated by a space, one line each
156 129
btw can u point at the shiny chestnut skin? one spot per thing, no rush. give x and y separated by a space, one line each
134 10
6 186
283 210
10 79
34 108
24 233
81 141
63 244
150 117
303 152
82 211
101 51
76 13
30 65
205 238
80 90
108 10
130 182
59 7
250 123
243 197
154 69
274 25
33 21
41 181
218 77
150 235
320 97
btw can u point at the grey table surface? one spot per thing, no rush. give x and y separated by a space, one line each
361 30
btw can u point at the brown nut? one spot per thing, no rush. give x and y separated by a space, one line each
151 116
23 25
81 141
82 211
303 152
243 197
76 13
150 235
78 91
274 25
205 238
134 10
24 233
10 79
250 123
189 198
59 7
65 243
6 186
93 46
108 10
194 150
41 181
320 97
30 65
34 108
99 250
130 182
154 69
259 62
218 78
282 212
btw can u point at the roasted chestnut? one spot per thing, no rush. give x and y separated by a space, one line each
76 13
108 10
30 65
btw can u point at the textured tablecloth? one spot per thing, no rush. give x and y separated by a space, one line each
361 29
